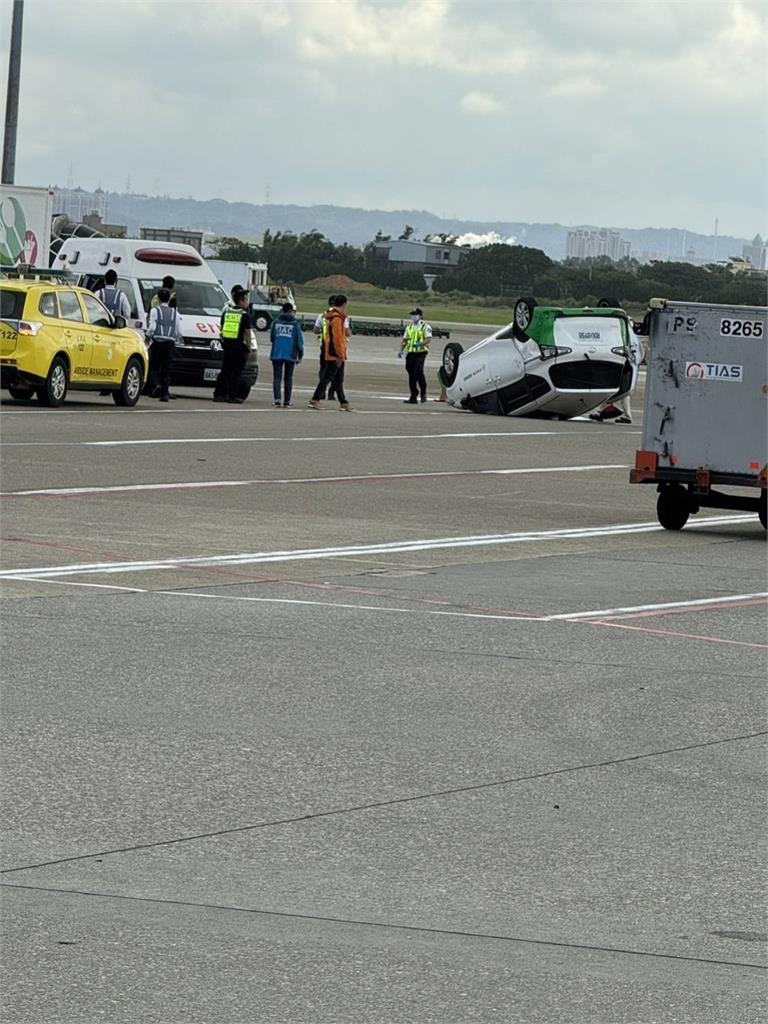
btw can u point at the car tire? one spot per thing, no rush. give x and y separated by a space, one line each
261 322
21 394
131 387
609 303
673 506
762 511
243 390
54 391
449 366
522 317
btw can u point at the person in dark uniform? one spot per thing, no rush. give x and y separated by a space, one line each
235 336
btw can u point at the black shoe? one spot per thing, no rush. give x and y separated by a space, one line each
235 401
410 401
165 398
156 391
423 399
219 398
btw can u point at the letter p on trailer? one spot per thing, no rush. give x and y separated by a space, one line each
706 409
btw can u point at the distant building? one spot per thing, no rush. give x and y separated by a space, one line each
756 253
585 245
180 235
431 257
93 220
76 203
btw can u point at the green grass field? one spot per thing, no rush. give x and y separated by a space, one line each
395 305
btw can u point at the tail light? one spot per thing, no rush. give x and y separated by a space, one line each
29 327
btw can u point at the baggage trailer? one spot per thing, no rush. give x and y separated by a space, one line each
706 405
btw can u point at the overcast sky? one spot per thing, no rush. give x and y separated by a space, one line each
614 113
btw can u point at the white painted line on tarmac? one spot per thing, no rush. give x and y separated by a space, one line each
703 602
67 492
316 438
72 583
387 547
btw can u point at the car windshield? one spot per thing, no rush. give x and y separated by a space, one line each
11 303
195 298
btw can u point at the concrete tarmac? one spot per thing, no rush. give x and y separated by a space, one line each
398 715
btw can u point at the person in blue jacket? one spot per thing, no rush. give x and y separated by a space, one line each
287 350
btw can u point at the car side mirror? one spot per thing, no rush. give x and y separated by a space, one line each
119 321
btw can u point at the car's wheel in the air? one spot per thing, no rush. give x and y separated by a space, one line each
673 506
54 391
261 322
523 316
449 366
130 390
609 303
21 394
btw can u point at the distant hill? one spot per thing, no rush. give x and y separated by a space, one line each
356 226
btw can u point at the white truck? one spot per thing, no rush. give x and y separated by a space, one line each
266 298
25 225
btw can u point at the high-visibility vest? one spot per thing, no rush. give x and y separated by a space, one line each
323 332
230 325
111 296
415 337
165 325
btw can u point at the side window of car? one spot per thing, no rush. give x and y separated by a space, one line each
48 304
126 287
98 314
70 307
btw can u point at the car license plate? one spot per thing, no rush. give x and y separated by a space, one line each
211 373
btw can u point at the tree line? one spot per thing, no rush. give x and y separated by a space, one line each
499 272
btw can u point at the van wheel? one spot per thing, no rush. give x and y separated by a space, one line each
609 303
523 315
21 394
130 390
450 363
54 391
763 509
673 506
261 322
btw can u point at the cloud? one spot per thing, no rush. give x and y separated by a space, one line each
476 241
577 88
481 103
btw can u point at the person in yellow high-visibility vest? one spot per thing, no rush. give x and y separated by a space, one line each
416 339
235 338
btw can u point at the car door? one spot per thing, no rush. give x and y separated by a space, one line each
107 355
77 335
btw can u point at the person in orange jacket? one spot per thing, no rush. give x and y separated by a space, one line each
335 354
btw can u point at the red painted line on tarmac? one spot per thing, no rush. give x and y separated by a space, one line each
667 632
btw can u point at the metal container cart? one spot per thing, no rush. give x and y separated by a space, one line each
706 409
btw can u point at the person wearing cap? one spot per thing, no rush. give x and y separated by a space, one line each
163 332
416 338
235 337
287 350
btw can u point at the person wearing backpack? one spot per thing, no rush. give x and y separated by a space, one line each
113 298
163 332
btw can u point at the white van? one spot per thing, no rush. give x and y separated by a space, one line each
140 266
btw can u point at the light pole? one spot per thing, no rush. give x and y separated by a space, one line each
12 100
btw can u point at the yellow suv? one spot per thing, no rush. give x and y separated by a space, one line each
54 336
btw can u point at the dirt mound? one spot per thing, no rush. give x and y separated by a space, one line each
338 283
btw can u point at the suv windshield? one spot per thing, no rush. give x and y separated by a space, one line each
11 303
196 298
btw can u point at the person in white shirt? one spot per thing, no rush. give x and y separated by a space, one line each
113 297
320 329
163 332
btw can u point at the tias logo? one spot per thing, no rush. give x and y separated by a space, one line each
714 371
589 335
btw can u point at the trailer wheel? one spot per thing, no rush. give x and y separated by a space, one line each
763 509
523 315
450 363
673 506
261 321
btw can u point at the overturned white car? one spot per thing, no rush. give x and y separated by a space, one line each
551 360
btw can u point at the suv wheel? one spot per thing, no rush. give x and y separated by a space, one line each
129 391
21 393
54 391
449 366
